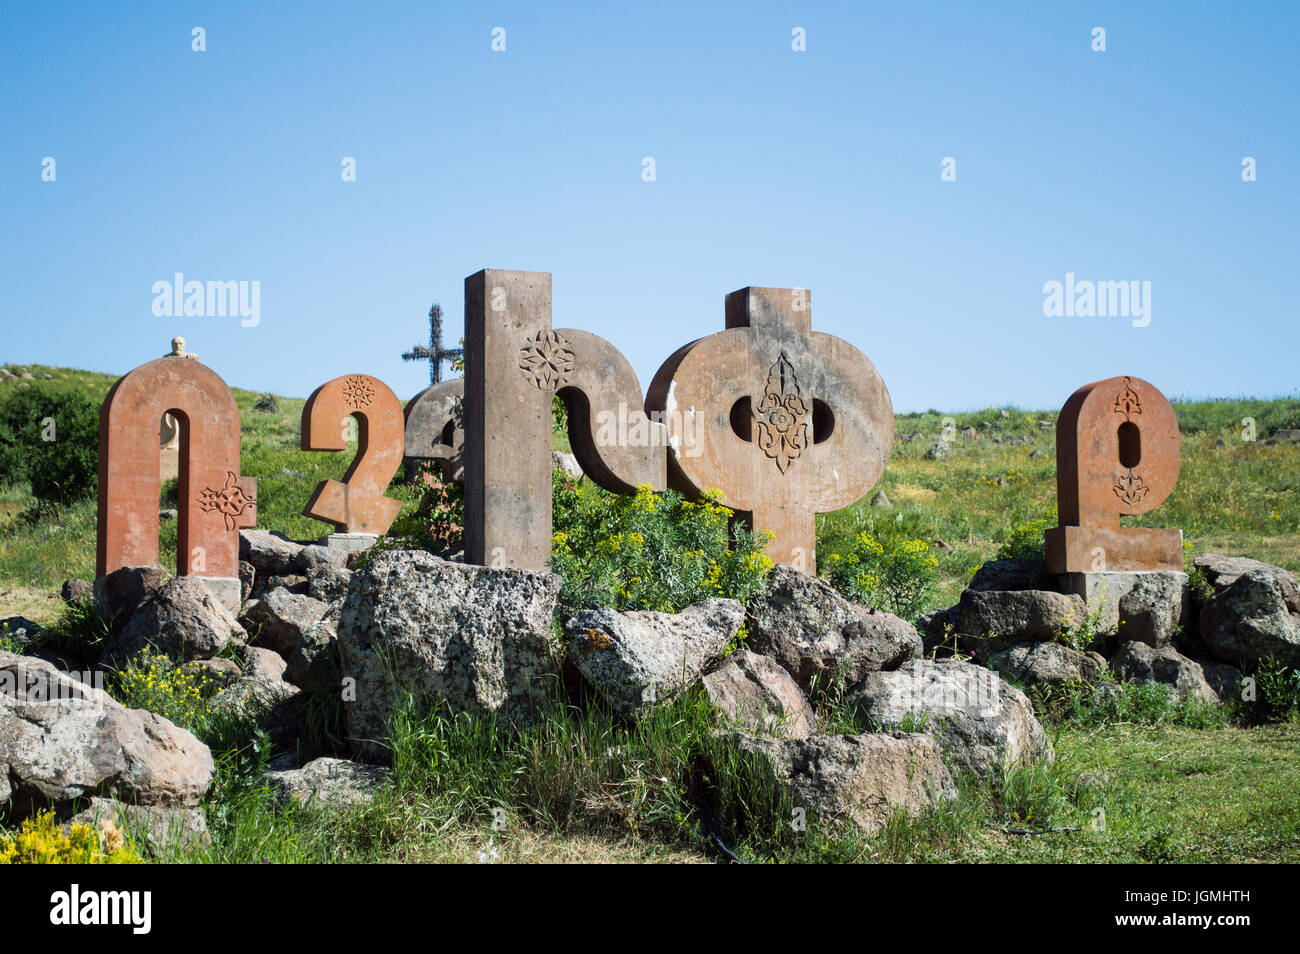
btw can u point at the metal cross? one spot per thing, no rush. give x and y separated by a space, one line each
435 353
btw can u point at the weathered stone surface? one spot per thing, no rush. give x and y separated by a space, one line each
328 782
61 740
291 582
857 779
357 503
214 501
162 829
1223 678
281 620
269 552
1247 621
1010 574
1117 454
639 659
264 665
74 592
749 412
254 695
1044 664
1140 662
183 621
807 626
20 630
515 365
1222 571
755 694
938 450
566 463
247 576
982 723
122 592
1019 614
313 666
435 428
477 638
329 584
1153 609
314 555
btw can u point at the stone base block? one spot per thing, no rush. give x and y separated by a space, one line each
349 542
1126 550
1102 591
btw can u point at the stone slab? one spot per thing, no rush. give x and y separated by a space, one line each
349 542
1105 550
1105 589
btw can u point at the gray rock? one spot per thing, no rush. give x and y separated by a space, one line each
637 660
1223 678
755 694
1248 622
1010 574
62 740
316 555
566 463
159 828
1139 662
292 583
253 697
855 779
313 666
328 782
76 592
21 630
813 631
264 665
281 620
1152 609
270 553
477 638
125 590
182 620
982 723
247 576
1018 615
1044 664
329 584
880 501
938 450
1222 571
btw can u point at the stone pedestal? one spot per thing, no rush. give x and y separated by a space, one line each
349 542
1103 590
1072 550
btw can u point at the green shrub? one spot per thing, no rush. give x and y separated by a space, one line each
39 841
894 573
651 551
1025 542
49 437
1277 692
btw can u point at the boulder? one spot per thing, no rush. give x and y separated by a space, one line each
314 555
293 582
1223 678
938 450
62 740
1248 621
1222 571
1018 615
270 553
159 828
566 463
182 621
1152 609
1010 574
313 666
328 782
636 660
76 592
20 631
755 694
982 723
328 583
1140 662
855 779
1044 664
813 631
123 591
281 620
475 638
264 665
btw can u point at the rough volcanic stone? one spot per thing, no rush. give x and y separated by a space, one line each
281 620
1153 609
1222 571
1140 662
1017 615
1010 574
1247 622
328 781
756 694
270 553
182 620
1044 664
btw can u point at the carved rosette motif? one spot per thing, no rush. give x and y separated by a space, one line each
546 360
1129 486
782 416
358 392
229 500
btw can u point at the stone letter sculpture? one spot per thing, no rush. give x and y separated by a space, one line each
213 501
785 421
357 505
435 428
515 364
1117 454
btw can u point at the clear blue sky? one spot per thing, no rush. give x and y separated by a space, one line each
818 169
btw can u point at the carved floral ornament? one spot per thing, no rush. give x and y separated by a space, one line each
546 359
1129 486
229 500
358 392
782 416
